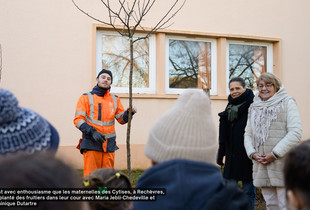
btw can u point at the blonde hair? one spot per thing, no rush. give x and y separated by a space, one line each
270 78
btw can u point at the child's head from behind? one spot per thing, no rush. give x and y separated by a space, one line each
108 178
186 131
40 171
297 175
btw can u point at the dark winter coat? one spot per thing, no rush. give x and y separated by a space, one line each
231 140
190 185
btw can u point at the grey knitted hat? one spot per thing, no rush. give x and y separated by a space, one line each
186 131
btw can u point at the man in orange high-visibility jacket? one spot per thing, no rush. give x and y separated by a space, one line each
94 116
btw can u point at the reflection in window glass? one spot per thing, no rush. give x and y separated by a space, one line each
116 57
248 62
189 64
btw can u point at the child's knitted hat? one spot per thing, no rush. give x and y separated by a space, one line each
186 131
22 129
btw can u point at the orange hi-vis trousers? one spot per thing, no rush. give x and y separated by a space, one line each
95 159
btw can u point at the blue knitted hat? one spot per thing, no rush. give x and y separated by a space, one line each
22 129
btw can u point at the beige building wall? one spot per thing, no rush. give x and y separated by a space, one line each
48 59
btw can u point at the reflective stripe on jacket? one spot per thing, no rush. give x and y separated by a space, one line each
99 112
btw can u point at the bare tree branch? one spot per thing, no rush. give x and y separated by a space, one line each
133 6
107 5
143 13
147 8
135 16
162 22
100 21
131 13
122 7
126 14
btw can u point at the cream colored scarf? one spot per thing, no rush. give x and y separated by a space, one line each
262 113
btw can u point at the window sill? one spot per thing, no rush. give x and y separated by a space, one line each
161 96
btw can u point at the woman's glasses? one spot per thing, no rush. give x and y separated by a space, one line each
267 86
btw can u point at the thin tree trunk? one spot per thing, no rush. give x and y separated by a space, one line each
130 109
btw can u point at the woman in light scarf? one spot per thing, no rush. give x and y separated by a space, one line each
273 128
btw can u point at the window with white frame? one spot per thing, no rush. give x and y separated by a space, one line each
113 53
190 63
248 60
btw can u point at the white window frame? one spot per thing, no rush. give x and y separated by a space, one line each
152 62
213 90
269 55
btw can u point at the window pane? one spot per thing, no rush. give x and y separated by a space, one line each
189 64
116 57
247 61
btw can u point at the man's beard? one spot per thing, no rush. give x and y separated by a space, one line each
104 88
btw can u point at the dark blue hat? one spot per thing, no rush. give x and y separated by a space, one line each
107 72
22 129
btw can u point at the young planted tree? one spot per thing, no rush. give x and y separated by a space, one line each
126 19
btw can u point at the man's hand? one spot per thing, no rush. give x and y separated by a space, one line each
134 109
98 137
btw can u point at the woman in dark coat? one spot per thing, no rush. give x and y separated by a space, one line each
232 124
